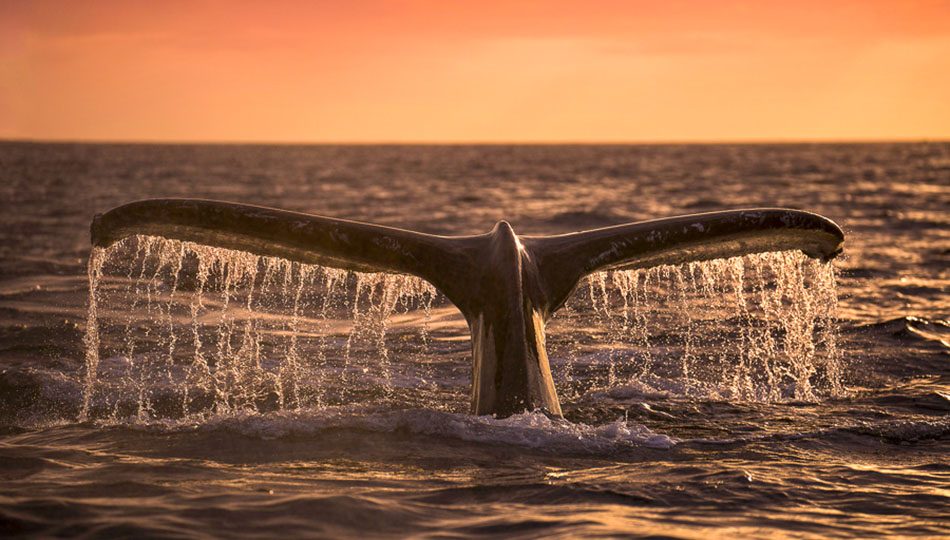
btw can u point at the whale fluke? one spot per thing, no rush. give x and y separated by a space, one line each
564 259
506 286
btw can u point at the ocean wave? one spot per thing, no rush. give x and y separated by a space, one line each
903 431
898 431
534 430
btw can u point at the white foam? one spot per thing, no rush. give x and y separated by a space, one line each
530 430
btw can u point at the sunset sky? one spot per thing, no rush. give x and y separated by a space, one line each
474 71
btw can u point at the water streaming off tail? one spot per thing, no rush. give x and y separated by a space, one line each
179 329
754 328
176 330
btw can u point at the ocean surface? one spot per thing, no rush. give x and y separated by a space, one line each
212 394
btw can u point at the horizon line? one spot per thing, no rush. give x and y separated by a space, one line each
478 142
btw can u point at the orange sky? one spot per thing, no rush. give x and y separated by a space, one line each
455 71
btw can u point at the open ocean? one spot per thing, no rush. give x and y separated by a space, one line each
747 398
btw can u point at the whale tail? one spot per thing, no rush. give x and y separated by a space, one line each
507 286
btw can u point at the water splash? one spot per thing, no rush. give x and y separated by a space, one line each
181 330
91 339
176 329
754 328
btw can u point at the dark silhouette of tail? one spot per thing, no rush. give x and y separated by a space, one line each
506 286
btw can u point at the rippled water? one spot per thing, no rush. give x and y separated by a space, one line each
684 417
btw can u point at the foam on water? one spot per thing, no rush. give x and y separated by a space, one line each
528 429
180 330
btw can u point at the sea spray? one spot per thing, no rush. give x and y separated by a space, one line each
180 330
756 328
91 338
197 330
